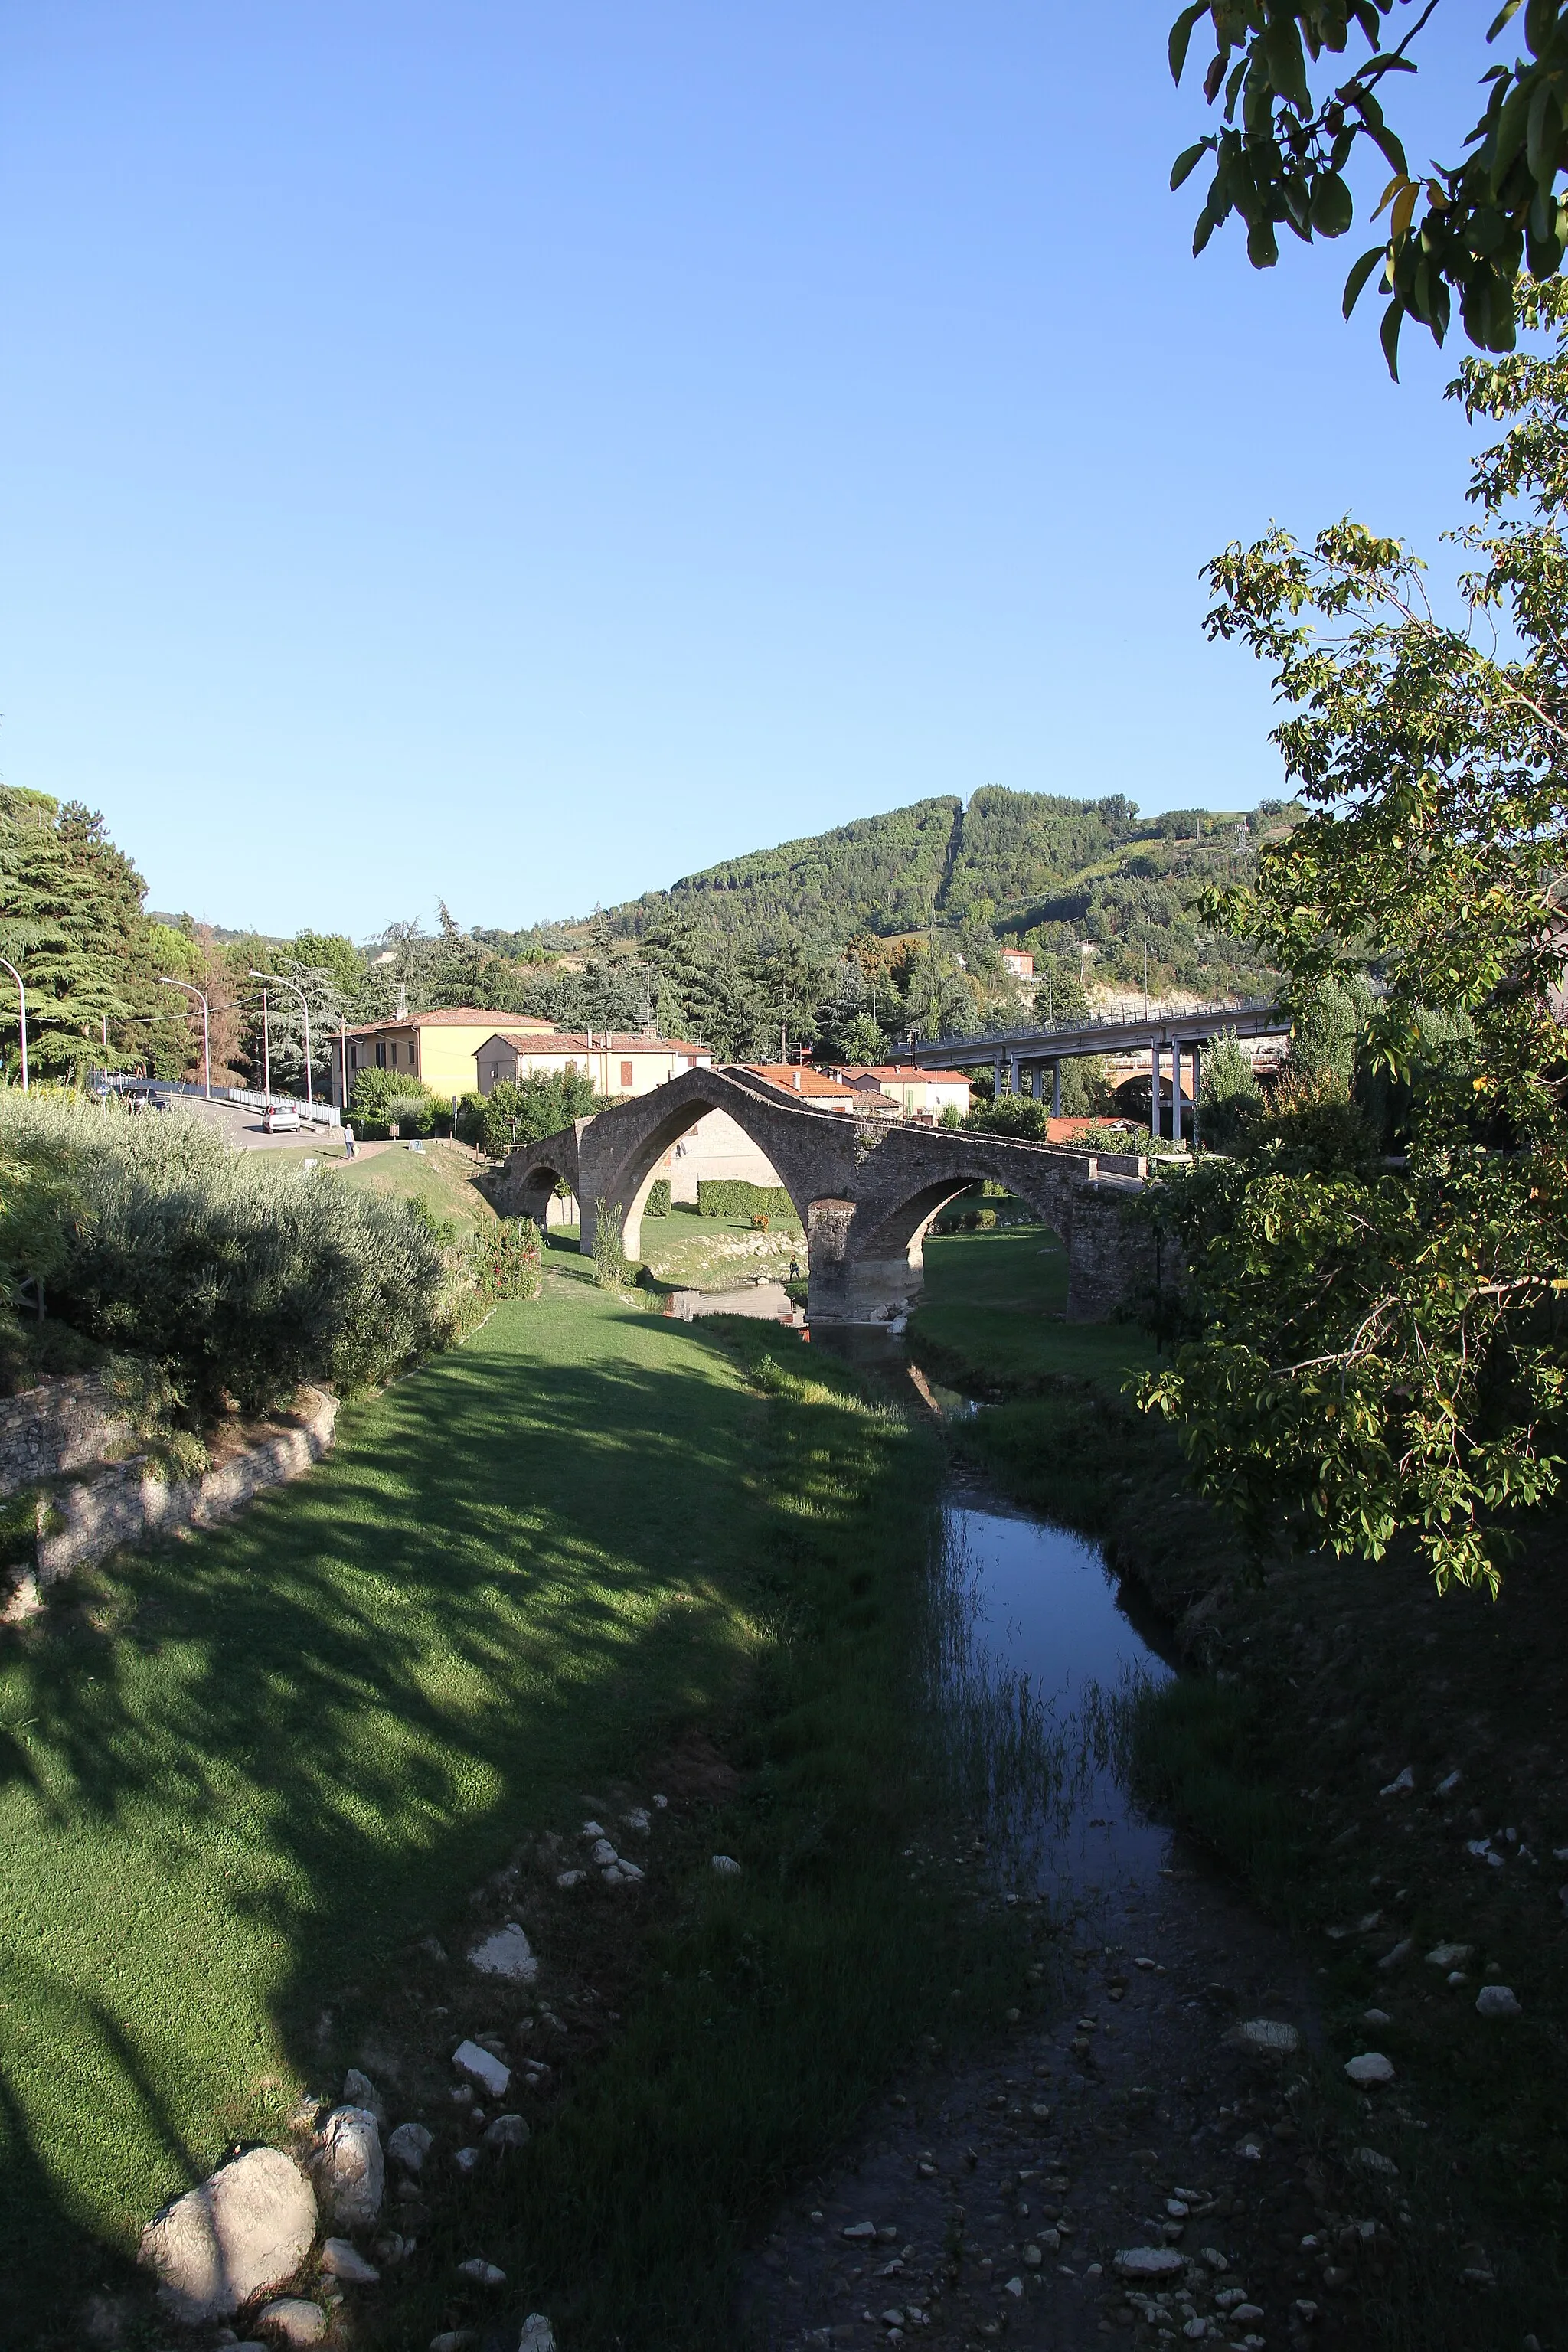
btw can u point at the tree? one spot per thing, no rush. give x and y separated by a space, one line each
1288 137
1382 1349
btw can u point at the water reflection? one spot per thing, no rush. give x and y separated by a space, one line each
1038 1662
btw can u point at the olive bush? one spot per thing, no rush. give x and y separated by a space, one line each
240 1274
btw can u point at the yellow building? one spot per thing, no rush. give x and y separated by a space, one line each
435 1047
615 1064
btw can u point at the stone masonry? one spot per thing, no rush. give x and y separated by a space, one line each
866 1190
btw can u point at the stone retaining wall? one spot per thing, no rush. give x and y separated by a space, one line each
126 1503
59 1427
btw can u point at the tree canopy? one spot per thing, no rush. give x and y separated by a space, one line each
1292 120
1378 1348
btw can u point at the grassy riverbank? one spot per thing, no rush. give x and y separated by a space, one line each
1312 1689
592 1555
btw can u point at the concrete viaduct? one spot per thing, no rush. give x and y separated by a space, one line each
1020 1059
865 1190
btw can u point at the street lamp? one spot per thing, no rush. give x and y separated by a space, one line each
190 989
22 994
277 980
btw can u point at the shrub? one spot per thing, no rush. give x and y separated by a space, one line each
760 1223
504 1259
610 1268
1019 1116
237 1273
657 1201
525 1111
733 1197
380 1098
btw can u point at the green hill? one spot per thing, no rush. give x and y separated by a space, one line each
1079 882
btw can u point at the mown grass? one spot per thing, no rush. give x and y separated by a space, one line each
440 1176
243 1774
716 1252
990 1321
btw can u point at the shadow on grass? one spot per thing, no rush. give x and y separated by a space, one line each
255 1764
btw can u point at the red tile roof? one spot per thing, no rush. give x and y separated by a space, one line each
447 1016
577 1041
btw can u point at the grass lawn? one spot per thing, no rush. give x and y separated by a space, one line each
989 1323
442 1178
716 1252
242 1775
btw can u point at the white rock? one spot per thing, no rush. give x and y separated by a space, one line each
452 2340
1372 2160
350 2173
342 2261
1399 1955
892 2317
483 2067
631 1871
508 1953
637 1818
1371 2067
506 2131
1267 2037
245 2230
726 1865
482 2274
613 1875
1148 2262
466 2158
1446 1787
570 1877
1014 2286
1033 2257
410 2146
1246 2315
592 1829
860 2233
1376 2017
604 1853
1401 1785
1449 1956
1497 2001
359 2091
538 2336
293 2319
662 1804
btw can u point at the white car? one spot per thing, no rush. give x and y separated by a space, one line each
280 1119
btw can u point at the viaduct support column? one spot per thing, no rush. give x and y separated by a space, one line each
1055 1090
1176 1093
1154 1088
1036 1080
996 1078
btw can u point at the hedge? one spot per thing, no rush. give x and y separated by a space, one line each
733 1197
657 1201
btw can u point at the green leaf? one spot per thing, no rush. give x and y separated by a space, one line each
1359 276
1181 33
1509 9
1262 245
1333 209
1388 335
1187 161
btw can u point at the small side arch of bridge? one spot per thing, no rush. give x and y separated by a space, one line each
866 1190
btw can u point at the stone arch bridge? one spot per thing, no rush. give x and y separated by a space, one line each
865 1190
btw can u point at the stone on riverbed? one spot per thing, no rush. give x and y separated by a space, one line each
483 2067
1497 2001
410 2146
508 1953
349 2172
342 2261
1265 2037
245 2229
359 2091
294 2320
1370 2068
1148 2262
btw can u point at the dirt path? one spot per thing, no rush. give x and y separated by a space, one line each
1001 2189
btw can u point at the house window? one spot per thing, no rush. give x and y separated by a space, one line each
381 1056
626 1074
353 1057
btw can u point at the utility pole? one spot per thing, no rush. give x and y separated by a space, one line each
280 982
266 1051
190 988
22 999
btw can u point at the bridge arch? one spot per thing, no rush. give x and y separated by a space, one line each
626 1181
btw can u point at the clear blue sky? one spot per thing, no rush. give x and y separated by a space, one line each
526 454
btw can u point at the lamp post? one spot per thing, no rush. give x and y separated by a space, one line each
279 981
190 989
22 996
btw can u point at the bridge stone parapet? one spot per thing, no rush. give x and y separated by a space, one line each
866 1190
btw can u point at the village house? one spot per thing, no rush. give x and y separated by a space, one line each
438 1047
919 1094
613 1063
1019 962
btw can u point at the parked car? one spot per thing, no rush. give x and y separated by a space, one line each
280 1119
144 1096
